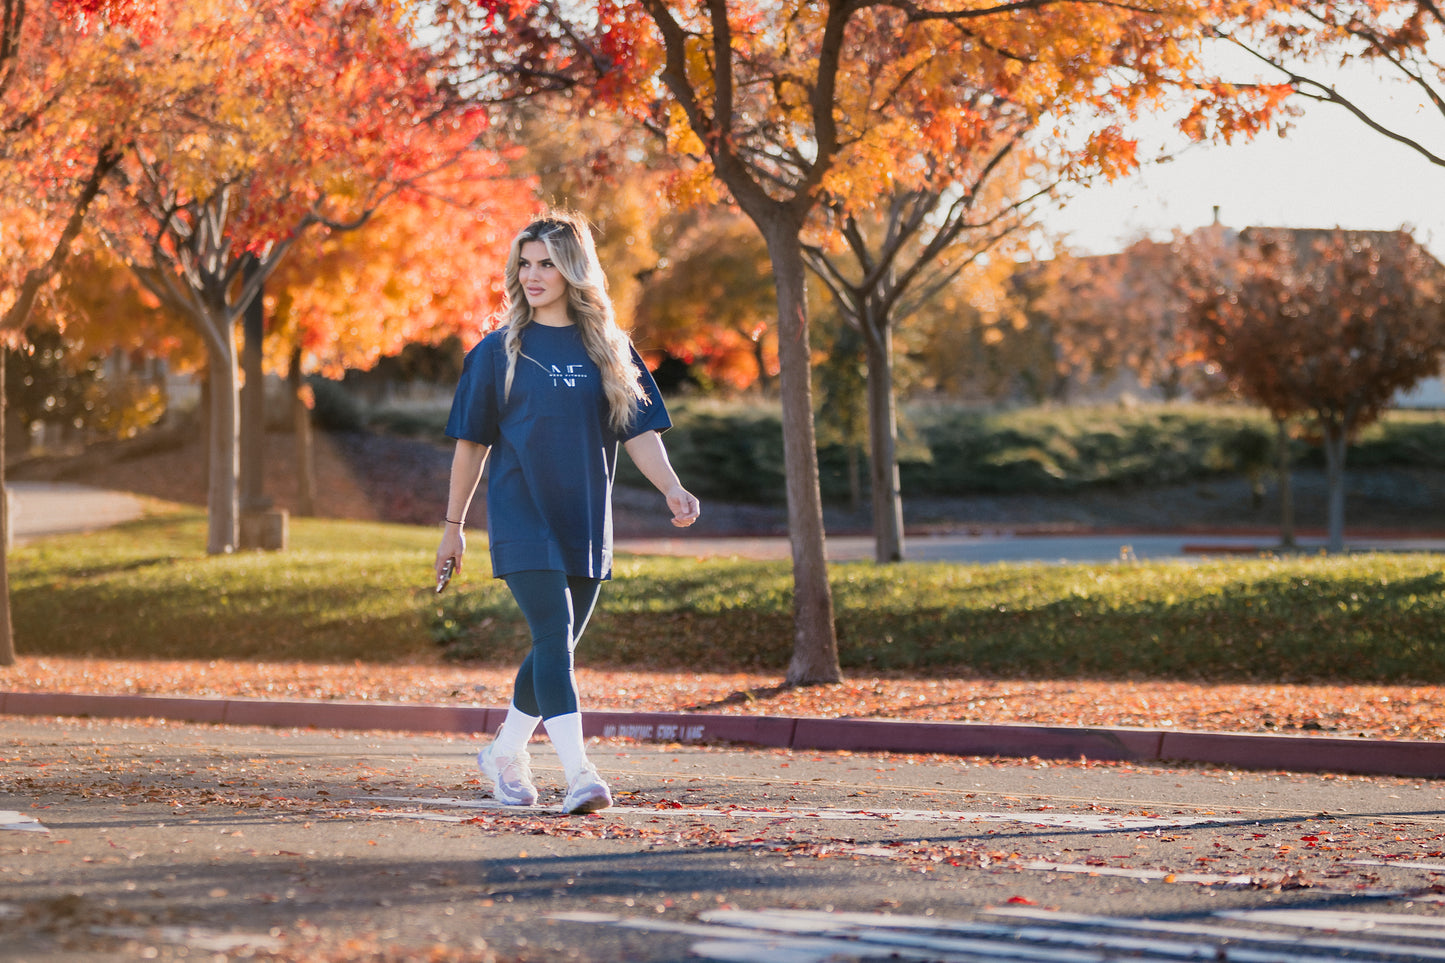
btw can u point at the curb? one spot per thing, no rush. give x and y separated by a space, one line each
1299 753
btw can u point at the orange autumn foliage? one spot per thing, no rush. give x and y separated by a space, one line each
425 267
255 126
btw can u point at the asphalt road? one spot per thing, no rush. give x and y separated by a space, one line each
1009 546
166 841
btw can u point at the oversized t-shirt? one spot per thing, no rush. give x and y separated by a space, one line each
553 454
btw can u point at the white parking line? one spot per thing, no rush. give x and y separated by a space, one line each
1088 822
196 938
20 822
1147 875
1392 924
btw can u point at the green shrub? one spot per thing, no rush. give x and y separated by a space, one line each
1043 450
733 451
425 423
336 408
1415 438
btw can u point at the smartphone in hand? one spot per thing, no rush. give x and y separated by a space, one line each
448 567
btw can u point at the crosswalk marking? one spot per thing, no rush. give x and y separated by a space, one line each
1024 935
1221 932
1393 924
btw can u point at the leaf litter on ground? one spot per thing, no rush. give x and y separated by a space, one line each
1371 711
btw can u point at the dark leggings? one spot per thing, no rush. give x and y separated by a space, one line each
557 607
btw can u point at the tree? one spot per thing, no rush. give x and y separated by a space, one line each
786 106
710 302
64 115
1326 324
596 163
1116 314
293 114
426 268
886 263
53 72
96 313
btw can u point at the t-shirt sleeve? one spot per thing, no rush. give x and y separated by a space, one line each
651 412
475 408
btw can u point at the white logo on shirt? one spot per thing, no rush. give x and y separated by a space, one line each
568 377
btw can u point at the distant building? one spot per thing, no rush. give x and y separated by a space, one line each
1115 319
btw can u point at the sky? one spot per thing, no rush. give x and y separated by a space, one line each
1328 171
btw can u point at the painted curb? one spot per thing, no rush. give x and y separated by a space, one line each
1299 753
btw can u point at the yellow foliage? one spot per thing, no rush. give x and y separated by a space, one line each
681 138
694 186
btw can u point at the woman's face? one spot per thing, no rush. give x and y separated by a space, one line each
541 281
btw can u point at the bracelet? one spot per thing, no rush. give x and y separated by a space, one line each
450 521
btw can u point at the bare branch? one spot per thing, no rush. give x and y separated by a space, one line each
917 15
1312 89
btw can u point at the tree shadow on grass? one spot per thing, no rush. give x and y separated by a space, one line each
743 697
117 568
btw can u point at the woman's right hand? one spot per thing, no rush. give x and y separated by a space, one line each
453 546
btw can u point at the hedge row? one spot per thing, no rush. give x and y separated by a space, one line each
734 450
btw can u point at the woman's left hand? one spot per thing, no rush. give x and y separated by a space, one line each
685 506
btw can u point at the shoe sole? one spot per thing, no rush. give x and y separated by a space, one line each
518 802
590 805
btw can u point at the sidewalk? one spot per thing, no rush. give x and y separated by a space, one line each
38 509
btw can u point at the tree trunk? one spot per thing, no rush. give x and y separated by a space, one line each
815 644
7 634
1286 485
760 358
253 406
1336 443
883 442
855 479
304 442
224 456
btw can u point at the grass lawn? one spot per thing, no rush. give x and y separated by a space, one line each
344 591
361 592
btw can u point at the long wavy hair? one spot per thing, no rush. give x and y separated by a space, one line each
569 244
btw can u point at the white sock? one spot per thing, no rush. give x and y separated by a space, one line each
516 732
566 734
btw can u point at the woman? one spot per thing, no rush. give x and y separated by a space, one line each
548 397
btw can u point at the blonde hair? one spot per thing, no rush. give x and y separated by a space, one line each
569 245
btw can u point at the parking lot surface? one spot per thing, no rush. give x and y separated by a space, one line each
153 839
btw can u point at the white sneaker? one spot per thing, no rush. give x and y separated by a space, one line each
510 775
586 793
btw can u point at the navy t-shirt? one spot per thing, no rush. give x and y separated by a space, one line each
553 454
